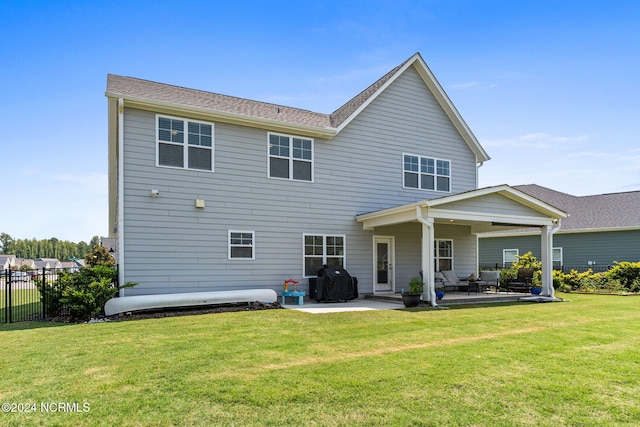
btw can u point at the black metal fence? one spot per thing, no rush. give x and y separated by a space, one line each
20 297
563 268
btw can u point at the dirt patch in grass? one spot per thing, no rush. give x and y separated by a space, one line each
172 312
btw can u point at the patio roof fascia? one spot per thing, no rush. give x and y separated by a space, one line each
435 209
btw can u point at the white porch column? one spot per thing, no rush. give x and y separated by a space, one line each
427 263
547 259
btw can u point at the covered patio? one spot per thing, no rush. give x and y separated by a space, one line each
465 215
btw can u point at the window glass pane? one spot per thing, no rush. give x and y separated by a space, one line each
170 155
313 245
301 149
199 158
279 145
241 252
509 256
312 265
200 134
445 264
426 182
443 167
335 246
443 183
411 163
302 170
411 180
335 262
427 165
279 167
444 248
170 130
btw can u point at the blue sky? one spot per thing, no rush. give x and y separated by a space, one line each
550 88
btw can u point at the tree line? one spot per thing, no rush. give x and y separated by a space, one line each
62 250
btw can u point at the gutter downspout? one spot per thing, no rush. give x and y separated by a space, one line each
427 248
547 271
120 179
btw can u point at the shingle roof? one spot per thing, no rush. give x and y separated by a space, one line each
164 93
131 87
601 211
342 113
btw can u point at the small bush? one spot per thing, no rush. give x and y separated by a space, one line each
84 293
628 273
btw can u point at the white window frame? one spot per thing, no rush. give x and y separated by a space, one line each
252 245
420 173
324 251
555 259
185 144
290 157
436 253
504 257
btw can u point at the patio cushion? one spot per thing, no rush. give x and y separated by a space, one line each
450 277
489 276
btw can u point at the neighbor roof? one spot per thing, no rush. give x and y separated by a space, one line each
141 93
599 212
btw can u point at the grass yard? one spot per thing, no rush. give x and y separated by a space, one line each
25 302
563 364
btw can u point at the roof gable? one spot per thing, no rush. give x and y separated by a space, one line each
146 94
345 114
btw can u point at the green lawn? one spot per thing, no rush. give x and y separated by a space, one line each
563 364
25 303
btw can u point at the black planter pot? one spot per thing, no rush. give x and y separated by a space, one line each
411 300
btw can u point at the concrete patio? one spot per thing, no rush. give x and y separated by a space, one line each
393 301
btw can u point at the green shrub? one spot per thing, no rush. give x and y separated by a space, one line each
628 273
50 295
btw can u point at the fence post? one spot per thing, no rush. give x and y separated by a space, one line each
7 274
9 303
44 295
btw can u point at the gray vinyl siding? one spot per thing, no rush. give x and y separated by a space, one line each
495 204
578 249
172 246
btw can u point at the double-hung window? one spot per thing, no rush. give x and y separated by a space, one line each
509 256
290 157
426 173
557 258
321 249
242 244
182 143
444 254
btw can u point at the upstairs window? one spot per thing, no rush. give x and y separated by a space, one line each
290 157
186 144
427 173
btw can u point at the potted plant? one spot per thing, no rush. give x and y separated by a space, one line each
439 290
412 298
536 281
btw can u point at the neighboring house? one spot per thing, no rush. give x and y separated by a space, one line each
48 263
70 266
7 262
29 263
600 229
212 192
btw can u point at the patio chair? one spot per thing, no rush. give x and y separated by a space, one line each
523 280
488 279
451 281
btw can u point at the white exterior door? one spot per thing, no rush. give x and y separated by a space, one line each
383 262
